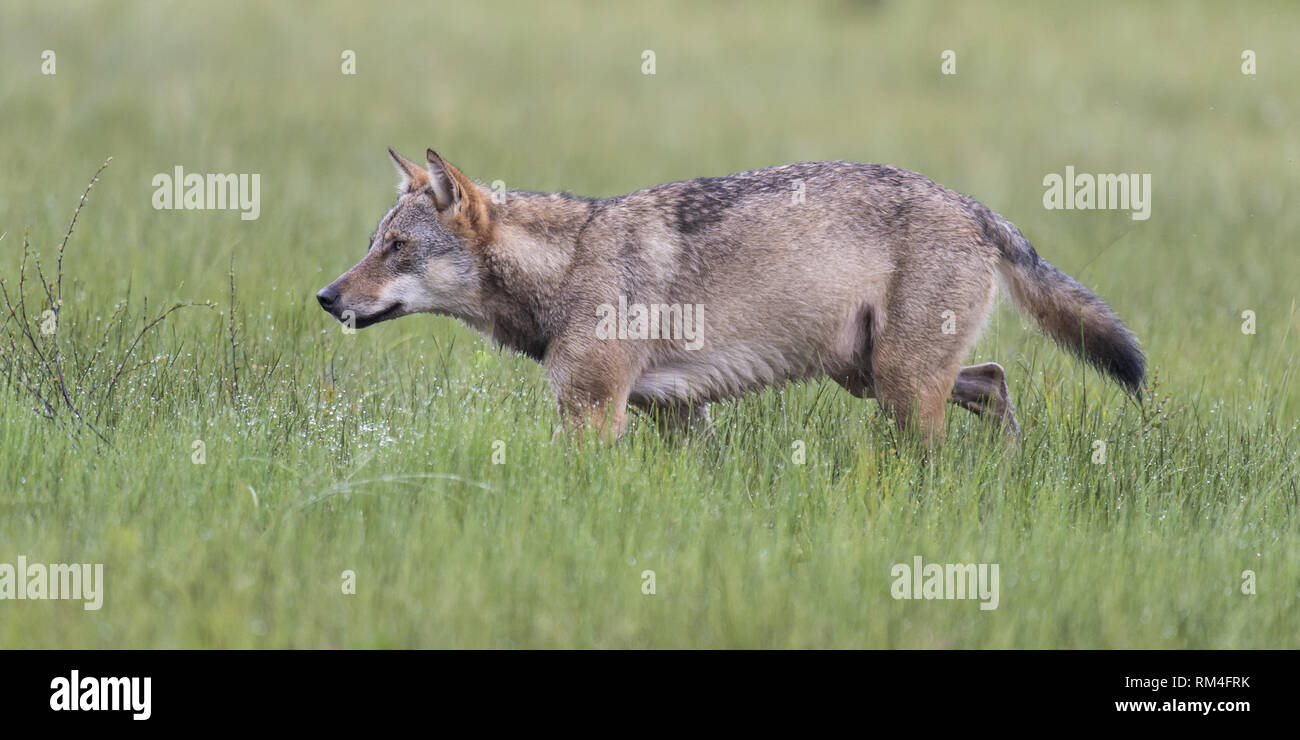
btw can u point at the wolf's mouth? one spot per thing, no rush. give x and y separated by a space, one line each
391 312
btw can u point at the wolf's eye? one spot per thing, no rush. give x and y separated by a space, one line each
398 244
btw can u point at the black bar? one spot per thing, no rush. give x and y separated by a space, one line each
1006 689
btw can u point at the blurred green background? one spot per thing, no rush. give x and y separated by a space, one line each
372 452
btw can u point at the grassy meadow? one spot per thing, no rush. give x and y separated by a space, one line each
323 452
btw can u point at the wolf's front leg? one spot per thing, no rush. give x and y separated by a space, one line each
591 381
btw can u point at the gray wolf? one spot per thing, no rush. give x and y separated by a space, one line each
874 276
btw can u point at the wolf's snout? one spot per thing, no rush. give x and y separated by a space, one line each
328 297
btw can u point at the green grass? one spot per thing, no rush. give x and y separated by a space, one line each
373 452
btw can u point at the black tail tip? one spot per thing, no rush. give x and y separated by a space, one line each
1118 355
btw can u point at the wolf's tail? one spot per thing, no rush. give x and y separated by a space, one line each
1073 316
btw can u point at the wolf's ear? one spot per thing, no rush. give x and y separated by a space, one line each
413 175
461 203
446 182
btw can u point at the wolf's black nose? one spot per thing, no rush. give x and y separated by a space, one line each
327 296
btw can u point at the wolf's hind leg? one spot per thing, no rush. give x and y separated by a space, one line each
856 382
932 321
915 400
677 419
983 390
912 381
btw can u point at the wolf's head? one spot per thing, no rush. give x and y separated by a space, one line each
425 255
